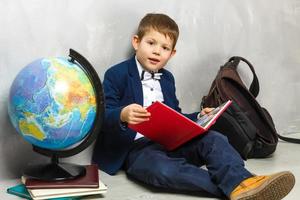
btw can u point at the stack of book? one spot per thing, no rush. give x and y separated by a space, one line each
35 189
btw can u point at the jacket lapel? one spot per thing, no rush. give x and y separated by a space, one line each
135 82
164 89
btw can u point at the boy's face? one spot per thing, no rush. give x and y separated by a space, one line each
154 50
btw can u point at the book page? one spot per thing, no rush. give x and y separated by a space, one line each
206 119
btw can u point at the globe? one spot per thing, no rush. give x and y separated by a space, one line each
54 104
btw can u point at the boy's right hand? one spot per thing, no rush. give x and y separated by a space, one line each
134 114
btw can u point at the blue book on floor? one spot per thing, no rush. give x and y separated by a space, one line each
21 191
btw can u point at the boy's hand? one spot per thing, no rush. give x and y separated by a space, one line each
205 111
134 114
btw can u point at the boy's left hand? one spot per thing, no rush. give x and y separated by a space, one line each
205 111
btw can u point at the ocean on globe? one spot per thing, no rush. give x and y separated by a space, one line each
52 103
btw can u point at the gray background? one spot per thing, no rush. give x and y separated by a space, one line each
265 32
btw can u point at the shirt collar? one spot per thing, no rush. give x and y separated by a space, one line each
139 66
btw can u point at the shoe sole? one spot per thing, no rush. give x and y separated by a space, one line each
277 187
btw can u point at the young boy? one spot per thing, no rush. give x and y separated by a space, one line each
134 84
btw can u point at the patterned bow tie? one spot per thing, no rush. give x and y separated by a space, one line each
150 75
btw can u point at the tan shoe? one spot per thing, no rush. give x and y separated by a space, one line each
271 187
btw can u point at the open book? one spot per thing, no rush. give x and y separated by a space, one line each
172 129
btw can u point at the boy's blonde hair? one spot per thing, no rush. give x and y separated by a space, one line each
161 23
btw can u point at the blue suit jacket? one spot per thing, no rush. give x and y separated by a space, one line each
122 86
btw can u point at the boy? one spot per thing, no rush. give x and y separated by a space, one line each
136 83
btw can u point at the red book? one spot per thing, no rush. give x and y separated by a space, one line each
89 180
172 129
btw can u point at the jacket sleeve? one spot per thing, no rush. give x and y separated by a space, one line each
112 96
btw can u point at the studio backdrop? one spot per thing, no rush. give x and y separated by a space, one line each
265 32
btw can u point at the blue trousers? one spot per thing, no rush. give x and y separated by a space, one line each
181 169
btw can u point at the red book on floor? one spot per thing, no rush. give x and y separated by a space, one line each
89 180
172 129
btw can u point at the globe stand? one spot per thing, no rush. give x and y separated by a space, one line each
54 171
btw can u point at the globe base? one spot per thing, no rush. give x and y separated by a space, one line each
54 171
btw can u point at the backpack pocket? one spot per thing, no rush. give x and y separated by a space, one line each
240 131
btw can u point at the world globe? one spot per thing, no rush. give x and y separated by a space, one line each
56 104
52 103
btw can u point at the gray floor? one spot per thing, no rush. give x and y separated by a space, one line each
120 188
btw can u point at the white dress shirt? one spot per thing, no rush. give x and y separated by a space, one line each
151 91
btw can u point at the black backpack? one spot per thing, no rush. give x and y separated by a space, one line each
248 126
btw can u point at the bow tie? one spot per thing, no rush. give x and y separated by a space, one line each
150 75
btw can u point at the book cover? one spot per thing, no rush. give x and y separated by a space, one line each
39 194
21 191
89 180
172 129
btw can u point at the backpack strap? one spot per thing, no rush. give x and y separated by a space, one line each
254 87
289 139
